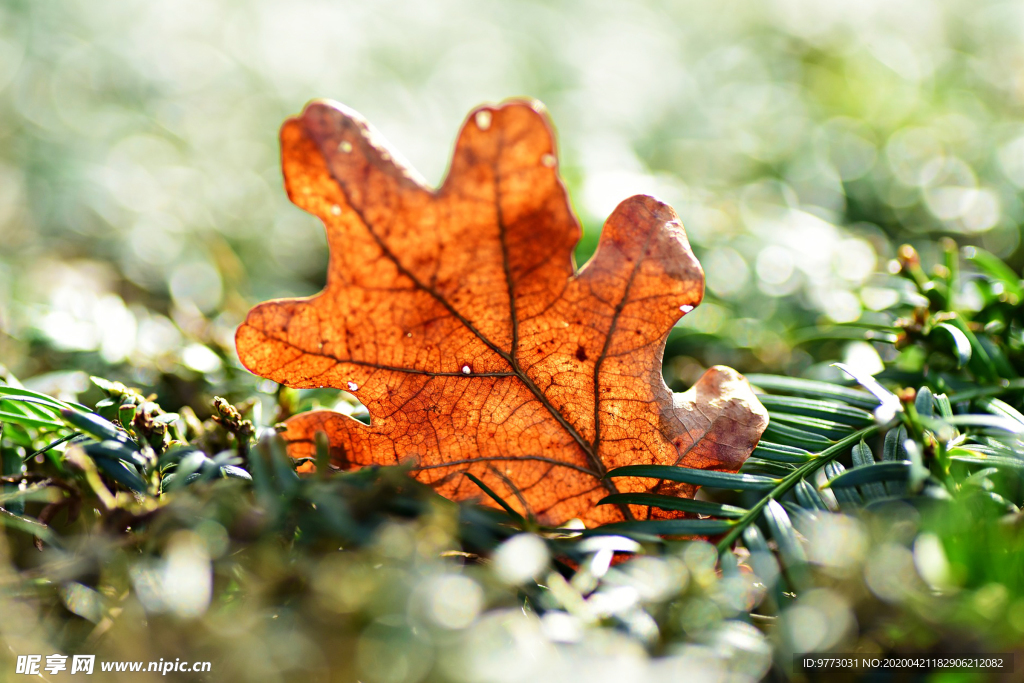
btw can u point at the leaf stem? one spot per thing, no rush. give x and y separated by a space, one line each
790 480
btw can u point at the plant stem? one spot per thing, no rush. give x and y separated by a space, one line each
790 480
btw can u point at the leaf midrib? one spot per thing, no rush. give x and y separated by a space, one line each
589 450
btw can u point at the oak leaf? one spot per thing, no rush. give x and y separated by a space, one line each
458 318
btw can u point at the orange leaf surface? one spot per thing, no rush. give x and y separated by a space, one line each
458 318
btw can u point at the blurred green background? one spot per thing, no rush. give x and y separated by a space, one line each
801 142
142 213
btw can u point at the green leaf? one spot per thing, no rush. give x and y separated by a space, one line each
773 469
808 496
993 501
665 527
800 516
115 450
763 562
918 472
27 420
981 478
1002 409
883 334
892 449
828 410
173 455
721 480
7 390
814 389
93 424
998 422
781 528
17 434
122 473
172 481
968 456
888 401
729 564
282 467
323 454
228 457
862 456
495 497
195 462
31 406
995 268
827 428
234 472
981 362
883 471
259 467
29 526
754 540
961 344
793 436
36 493
699 507
844 495
990 447
52 445
924 404
1004 369
767 450
951 259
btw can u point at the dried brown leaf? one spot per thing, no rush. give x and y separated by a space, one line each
457 317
